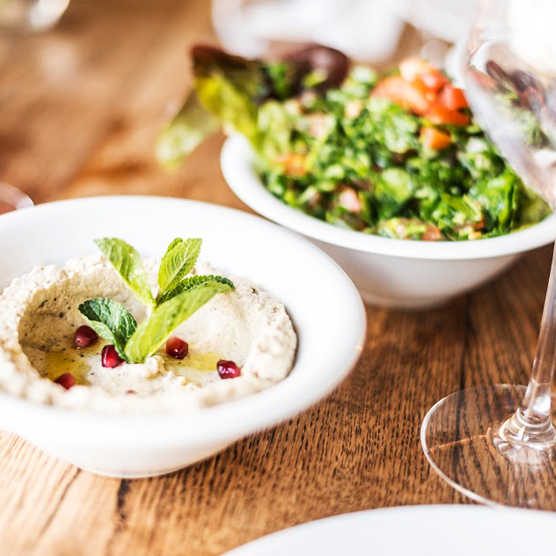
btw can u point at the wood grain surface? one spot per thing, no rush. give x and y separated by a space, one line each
80 107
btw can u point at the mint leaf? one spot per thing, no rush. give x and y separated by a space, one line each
111 320
190 283
127 262
179 260
152 333
173 244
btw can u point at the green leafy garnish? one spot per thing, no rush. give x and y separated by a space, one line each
110 320
230 89
189 128
190 283
152 333
127 261
179 296
177 263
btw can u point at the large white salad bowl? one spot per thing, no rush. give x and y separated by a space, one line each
388 272
325 308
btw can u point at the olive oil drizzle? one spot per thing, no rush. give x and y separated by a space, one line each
75 361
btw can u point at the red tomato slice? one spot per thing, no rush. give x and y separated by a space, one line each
433 80
453 98
442 115
398 90
435 139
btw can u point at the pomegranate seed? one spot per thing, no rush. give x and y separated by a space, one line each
227 369
67 380
84 336
110 357
177 348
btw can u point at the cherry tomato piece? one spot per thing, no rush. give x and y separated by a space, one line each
442 115
434 80
398 90
453 98
433 138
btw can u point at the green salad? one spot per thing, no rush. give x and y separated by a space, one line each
399 156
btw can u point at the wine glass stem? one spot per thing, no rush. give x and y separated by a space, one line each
532 421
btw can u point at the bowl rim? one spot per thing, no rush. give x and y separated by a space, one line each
224 422
237 163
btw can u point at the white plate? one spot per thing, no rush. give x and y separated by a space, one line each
414 531
324 306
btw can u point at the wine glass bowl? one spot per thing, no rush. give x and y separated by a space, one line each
497 444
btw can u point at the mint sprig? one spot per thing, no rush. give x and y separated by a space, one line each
179 296
152 333
110 320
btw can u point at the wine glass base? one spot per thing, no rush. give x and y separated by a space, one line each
460 438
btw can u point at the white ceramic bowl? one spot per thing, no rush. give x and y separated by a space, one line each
388 272
321 300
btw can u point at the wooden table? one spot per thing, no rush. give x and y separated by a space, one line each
80 107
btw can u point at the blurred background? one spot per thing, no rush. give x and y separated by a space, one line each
366 30
87 84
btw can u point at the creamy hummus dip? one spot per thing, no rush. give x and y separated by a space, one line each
39 317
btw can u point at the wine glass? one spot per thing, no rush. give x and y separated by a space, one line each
497 444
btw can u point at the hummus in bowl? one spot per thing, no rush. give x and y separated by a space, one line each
40 317
106 435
